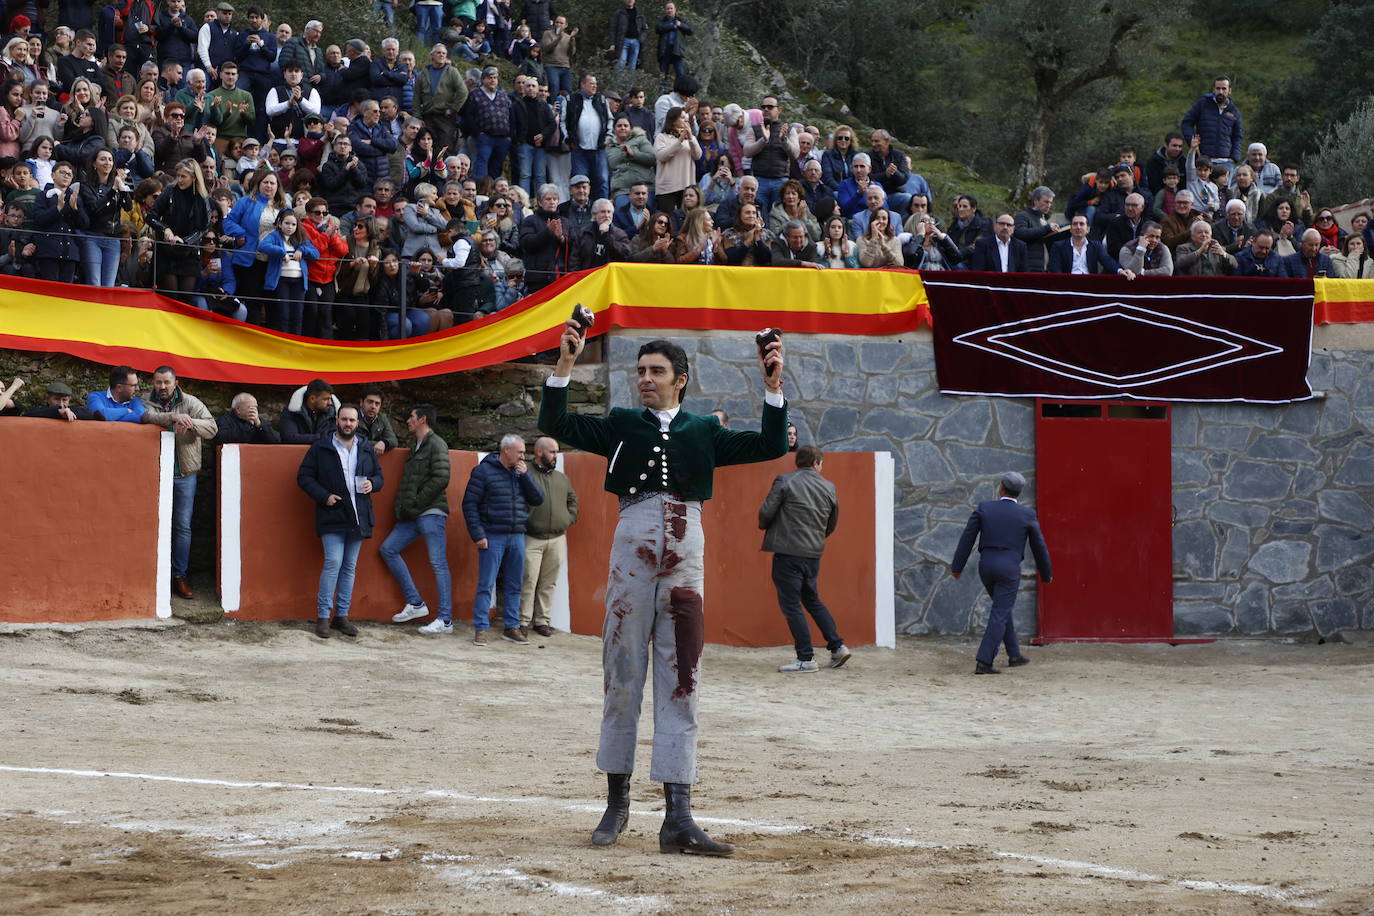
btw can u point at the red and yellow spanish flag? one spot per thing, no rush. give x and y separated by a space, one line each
1342 301
145 330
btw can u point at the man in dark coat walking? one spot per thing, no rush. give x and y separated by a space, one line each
1002 528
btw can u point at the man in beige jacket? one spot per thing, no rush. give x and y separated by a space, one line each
189 420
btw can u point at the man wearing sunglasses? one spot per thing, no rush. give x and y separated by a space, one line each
773 147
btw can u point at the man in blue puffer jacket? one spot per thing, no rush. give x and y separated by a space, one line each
496 504
1217 119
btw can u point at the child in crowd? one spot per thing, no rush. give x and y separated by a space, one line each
288 253
1164 197
1206 198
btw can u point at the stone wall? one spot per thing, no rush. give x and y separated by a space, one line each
1274 533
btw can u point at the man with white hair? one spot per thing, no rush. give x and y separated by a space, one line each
1202 255
1002 528
1309 260
1267 175
600 241
852 192
1177 224
305 50
496 505
1233 231
388 73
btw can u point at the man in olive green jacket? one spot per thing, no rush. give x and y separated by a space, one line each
440 92
546 543
422 511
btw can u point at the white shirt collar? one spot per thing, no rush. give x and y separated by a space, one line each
666 417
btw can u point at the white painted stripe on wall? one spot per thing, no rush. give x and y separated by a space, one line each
230 528
165 466
560 615
884 507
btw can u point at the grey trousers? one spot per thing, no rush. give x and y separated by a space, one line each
654 592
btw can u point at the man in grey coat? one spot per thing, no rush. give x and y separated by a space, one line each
1002 527
798 514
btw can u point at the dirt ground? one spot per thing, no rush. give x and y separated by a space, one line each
253 768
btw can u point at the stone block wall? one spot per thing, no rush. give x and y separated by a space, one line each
1274 530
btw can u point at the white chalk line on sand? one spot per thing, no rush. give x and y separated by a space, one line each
1293 898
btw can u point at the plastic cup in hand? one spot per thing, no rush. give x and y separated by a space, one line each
360 484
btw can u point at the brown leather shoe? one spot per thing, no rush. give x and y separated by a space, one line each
525 632
181 588
544 630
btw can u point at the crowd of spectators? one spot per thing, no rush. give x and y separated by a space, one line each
248 167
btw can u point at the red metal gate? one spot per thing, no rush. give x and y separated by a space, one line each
1103 494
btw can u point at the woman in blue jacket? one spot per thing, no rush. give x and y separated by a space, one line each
252 218
288 254
59 219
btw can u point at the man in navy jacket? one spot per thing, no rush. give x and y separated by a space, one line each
340 473
1096 258
1309 260
1260 259
1002 528
1217 119
987 251
496 504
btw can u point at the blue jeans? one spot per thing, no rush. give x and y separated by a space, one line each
183 501
629 55
388 11
101 256
434 529
429 21
490 156
560 80
340 563
677 64
533 167
768 194
592 163
505 554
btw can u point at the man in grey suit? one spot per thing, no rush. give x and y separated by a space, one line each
799 513
1002 528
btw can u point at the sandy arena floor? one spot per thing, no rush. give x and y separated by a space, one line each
254 769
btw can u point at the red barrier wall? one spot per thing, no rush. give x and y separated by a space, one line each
80 532
281 554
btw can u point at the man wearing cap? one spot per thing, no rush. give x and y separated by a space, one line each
215 42
230 109
1002 527
357 66
289 104
576 211
58 406
440 91
491 112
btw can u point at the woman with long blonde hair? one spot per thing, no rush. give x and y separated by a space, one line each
179 218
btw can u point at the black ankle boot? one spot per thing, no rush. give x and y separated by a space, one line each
617 810
679 832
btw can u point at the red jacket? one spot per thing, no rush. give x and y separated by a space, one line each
332 247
